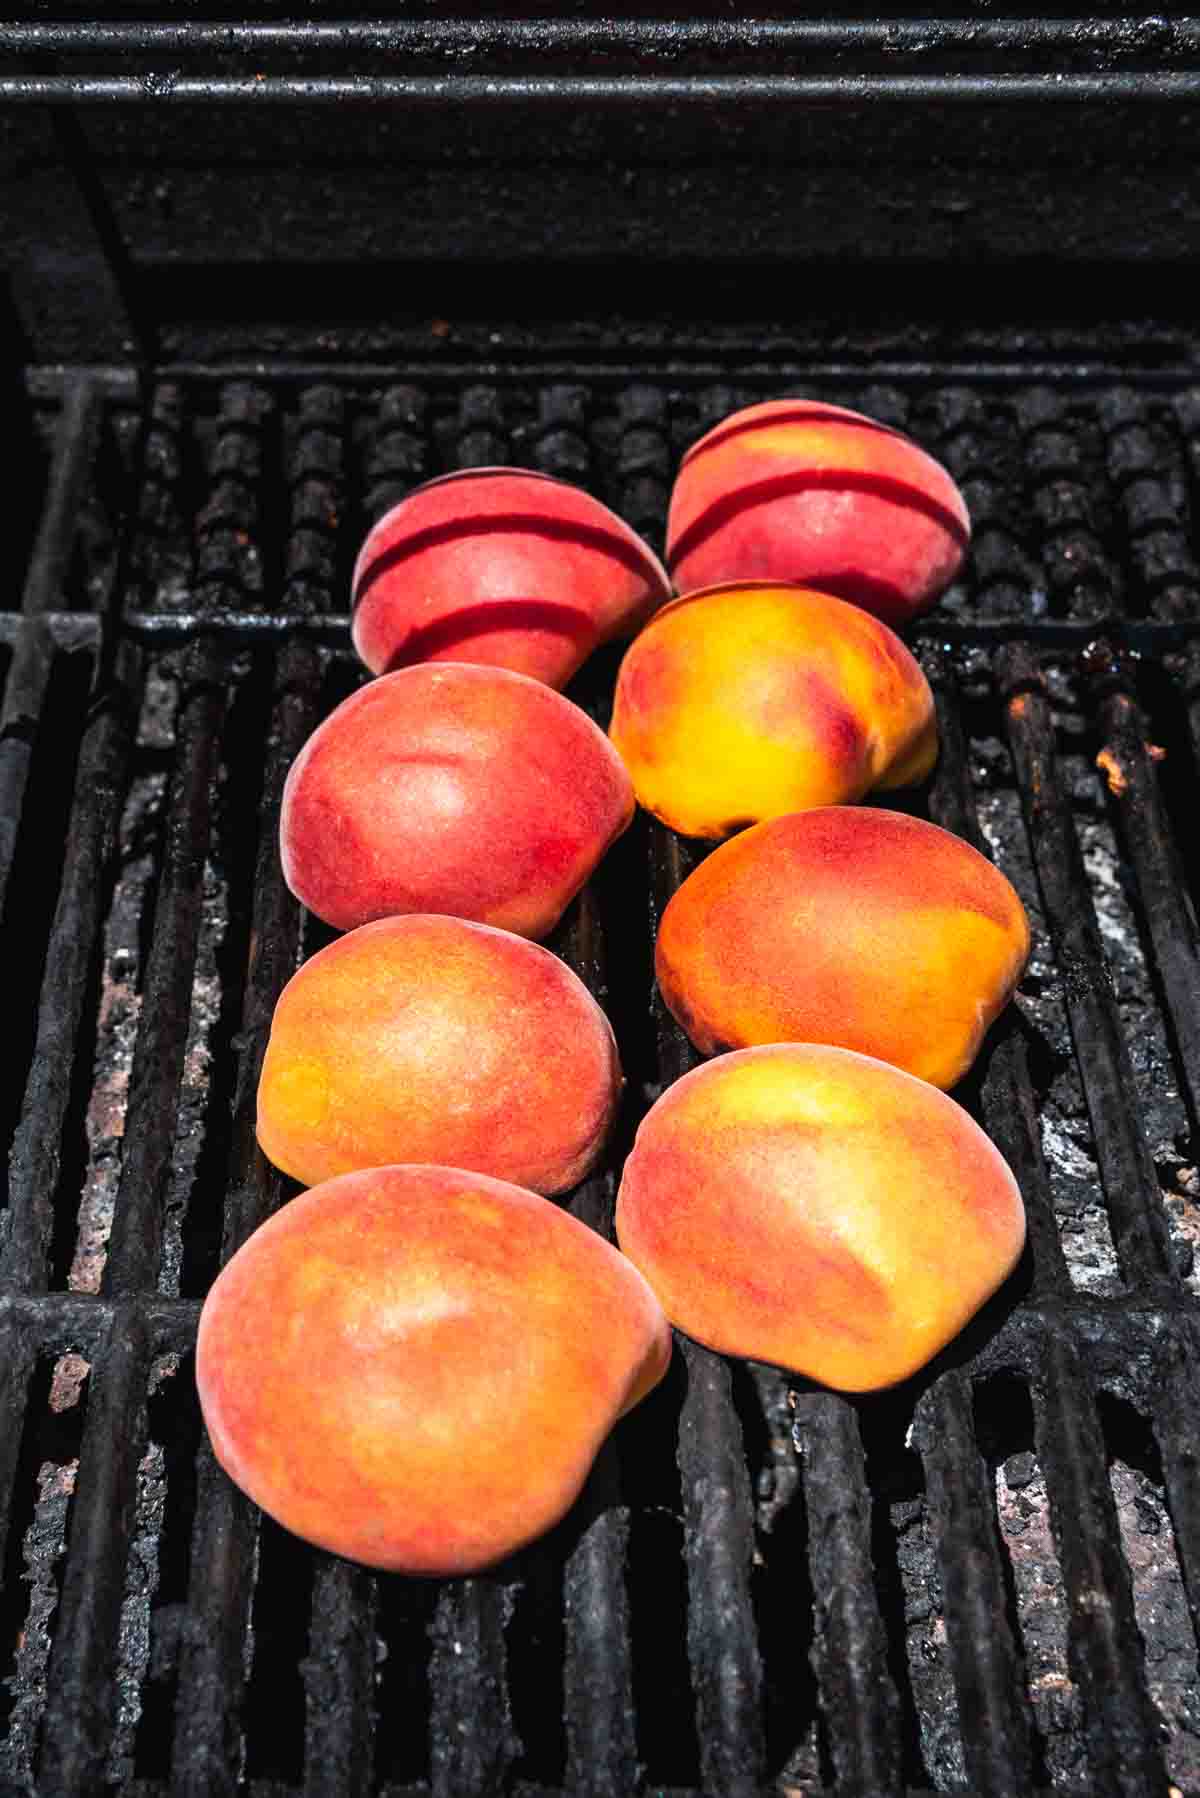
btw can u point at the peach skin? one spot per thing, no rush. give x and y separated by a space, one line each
420 1036
741 702
504 566
415 1366
846 925
796 490
451 788
819 1210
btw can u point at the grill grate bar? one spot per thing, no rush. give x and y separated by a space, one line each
29 676
1102 1648
75 448
434 38
598 1713
208 1750
635 92
212 1668
471 1738
212 1665
719 1530
18 1352
1008 1102
339 1682
598 1684
37 1146
79 1711
20 720
1175 1431
993 1702
1130 1186
136 1237
858 1697
339 1669
1133 784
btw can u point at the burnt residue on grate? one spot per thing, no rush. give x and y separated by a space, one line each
988 1579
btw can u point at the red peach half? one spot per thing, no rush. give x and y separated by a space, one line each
451 788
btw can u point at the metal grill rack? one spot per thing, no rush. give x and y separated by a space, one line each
988 1579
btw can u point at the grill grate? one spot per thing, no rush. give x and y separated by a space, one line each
988 1579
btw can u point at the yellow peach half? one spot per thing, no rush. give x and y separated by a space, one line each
746 701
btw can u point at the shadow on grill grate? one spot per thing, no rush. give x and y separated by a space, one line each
987 1579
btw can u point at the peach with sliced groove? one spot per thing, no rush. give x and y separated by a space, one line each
504 566
798 490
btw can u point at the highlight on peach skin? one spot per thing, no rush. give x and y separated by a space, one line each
504 566
848 925
451 788
797 490
422 1038
415 1367
745 701
819 1210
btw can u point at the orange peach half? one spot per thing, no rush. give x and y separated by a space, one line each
797 490
742 702
422 1037
451 788
846 925
505 566
415 1367
819 1210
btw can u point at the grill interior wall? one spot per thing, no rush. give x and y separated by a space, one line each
988 1578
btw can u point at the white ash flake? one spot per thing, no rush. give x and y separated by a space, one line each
1108 897
1064 1152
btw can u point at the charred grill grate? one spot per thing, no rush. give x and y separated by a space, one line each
988 1579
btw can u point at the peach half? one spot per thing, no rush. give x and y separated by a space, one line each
742 702
504 566
451 788
415 1366
422 1037
819 1210
797 490
848 925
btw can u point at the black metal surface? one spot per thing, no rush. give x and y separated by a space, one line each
636 92
662 40
764 1587
135 213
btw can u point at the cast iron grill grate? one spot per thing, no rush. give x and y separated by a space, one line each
988 1579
